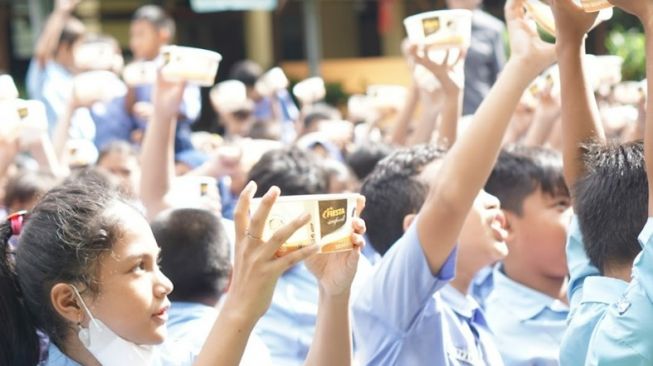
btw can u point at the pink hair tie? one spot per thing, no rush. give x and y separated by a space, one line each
16 220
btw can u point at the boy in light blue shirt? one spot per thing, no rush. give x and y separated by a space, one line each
404 315
623 335
609 193
527 308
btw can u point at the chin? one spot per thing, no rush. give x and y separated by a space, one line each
500 249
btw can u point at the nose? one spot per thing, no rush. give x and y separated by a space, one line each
163 285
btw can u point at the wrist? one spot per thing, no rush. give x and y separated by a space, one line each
335 297
235 313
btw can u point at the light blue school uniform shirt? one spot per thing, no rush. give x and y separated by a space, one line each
527 324
482 285
589 294
112 122
288 326
52 84
624 336
167 354
403 316
192 322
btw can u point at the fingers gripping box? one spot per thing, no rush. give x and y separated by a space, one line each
330 226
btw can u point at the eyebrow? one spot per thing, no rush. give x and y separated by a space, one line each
132 257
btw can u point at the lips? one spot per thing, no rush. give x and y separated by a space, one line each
497 226
162 314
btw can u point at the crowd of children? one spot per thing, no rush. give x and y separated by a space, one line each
517 235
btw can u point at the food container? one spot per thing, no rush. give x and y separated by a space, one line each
592 6
629 92
440 28
543 16
310 90
230 96
8 90
98 54
80 152
271 82
387 96
189 64
330 226
97 86
140 73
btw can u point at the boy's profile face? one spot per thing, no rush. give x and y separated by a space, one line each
539 234
145 40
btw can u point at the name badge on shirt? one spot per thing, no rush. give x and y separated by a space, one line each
463 355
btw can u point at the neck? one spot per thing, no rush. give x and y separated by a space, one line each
555 287
465 272
623 273
75 350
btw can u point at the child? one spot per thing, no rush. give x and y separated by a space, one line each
151 29
86 267
622 336
527 309
399 316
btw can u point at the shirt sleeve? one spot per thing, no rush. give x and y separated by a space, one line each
498 56
578 263
643 266
397 292
191 104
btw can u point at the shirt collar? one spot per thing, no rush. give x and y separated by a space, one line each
525 302
462 305
600 289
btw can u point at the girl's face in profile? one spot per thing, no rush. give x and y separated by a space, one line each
133 297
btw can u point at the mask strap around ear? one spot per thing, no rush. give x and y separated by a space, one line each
86 309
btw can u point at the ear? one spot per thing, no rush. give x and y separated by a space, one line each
66 303
408 219
164 36
512 225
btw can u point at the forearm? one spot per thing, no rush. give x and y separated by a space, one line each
423 131
541 128
44 153
49 38
580 116
451 112
468 164
227 340
157 161
62 131
332 340
402 125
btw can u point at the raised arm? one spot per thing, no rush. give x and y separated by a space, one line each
49 38
468 164
580 116
255 274
157 155
452 87
335 272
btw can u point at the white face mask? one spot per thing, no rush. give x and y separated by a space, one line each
109 348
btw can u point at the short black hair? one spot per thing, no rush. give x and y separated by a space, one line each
394 190
520 171
293 170
195 253
27 186
246 71
156 16
365 157
73 30
611 202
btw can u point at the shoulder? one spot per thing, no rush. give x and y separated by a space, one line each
487 21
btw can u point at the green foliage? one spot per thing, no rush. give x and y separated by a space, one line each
631 45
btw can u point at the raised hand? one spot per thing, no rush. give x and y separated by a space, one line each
525 44
256 265
335 272
572 22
